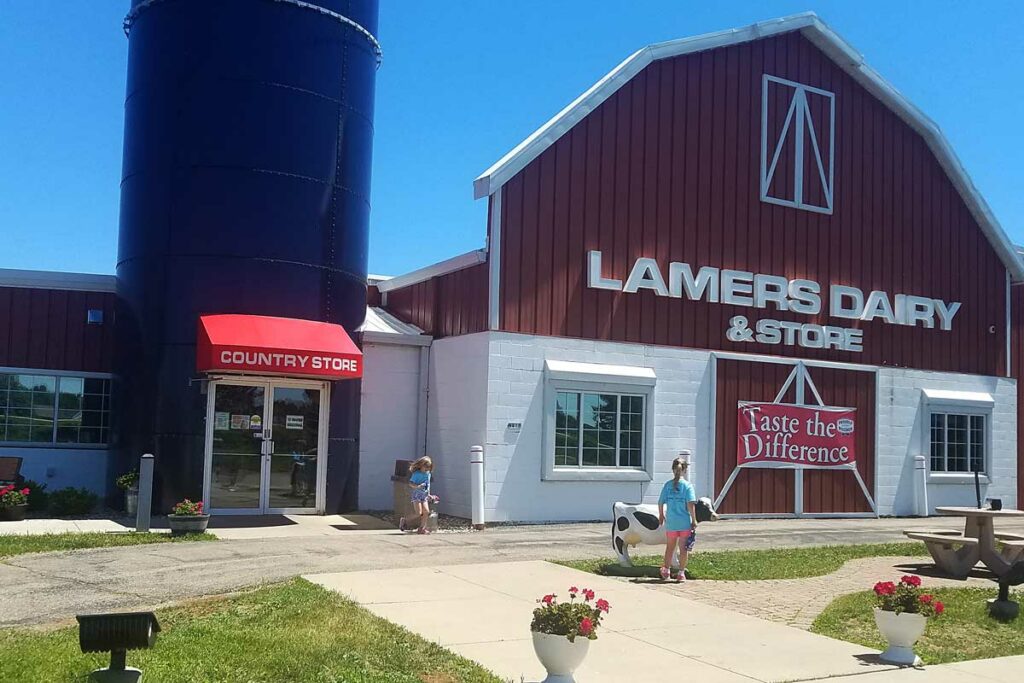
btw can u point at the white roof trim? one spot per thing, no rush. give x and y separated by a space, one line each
808 23
466 260
598 372
47 279
974 398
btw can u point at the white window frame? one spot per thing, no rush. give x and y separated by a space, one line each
53 443
957 403
596 378
799 117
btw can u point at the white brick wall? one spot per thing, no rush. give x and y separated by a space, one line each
482 382
387 420
456 415
515 393
902 420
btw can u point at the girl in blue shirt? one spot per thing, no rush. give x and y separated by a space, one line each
676 512
419 482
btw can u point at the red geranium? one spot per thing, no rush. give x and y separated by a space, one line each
9 496
571 618
906 596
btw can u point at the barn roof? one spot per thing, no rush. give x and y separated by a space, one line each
837 49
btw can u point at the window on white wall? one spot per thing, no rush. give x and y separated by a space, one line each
599 429
598 422
957 442
958 428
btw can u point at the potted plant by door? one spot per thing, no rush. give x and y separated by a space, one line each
901 614
562 632
129 483
188 518
13 503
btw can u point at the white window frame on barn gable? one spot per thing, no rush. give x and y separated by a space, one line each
798 115
968 403
566 376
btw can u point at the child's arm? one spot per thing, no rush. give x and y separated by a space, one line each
661 513
692 507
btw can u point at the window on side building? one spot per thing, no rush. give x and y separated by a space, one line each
39 410
958 432
598 422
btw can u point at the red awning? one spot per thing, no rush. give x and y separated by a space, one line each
260 344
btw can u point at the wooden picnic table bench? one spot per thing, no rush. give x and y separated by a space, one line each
10 470
957 553
954 553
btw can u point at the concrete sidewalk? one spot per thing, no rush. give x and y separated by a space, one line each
483 612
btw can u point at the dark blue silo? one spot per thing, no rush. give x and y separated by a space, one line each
245 189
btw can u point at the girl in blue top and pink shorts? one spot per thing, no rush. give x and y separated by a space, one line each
676 512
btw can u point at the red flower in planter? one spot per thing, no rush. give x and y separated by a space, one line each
926 598
586 626
548 599
588 594
939 608
885 588
603 605
914 581
573 591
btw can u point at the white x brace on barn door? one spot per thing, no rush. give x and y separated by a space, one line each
802 383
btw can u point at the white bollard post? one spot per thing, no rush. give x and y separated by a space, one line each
145 493
476 474
921 486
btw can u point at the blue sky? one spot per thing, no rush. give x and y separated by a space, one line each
462 82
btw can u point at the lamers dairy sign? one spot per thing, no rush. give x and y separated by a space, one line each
756 290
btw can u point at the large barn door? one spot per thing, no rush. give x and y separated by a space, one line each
800 492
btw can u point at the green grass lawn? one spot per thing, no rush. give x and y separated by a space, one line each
295 631
744 565
964 631
12 544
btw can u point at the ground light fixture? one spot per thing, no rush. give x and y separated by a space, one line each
117 633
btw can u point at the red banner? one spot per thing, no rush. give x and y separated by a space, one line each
785 435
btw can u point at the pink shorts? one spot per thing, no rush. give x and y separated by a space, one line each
681 535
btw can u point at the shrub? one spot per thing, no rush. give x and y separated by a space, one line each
71 501
127 481
38 498
570 619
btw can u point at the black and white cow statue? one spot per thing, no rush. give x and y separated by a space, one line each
634 524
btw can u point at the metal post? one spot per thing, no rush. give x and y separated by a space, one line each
145 493
476 473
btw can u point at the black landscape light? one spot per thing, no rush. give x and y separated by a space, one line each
1003 608
117 633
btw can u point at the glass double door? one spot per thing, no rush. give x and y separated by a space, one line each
265 446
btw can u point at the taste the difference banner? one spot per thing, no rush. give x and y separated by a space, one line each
795 436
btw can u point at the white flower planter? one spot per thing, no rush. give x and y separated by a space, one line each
560 657
901 631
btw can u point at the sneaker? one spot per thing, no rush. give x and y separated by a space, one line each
401 523
664 573
681 577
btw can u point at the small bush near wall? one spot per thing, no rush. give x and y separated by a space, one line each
71 501
38 498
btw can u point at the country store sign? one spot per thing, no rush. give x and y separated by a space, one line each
793 436
744 288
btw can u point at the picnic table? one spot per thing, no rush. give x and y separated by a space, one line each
957 553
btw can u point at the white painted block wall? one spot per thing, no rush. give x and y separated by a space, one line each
456 415
902 421
480 383
387 420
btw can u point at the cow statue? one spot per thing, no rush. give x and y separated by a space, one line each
635 524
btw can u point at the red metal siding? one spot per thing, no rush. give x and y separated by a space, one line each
46 329
447 305
668 167
770 491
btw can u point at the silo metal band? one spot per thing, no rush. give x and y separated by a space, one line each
134 13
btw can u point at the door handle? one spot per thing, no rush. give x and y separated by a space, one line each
270 447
